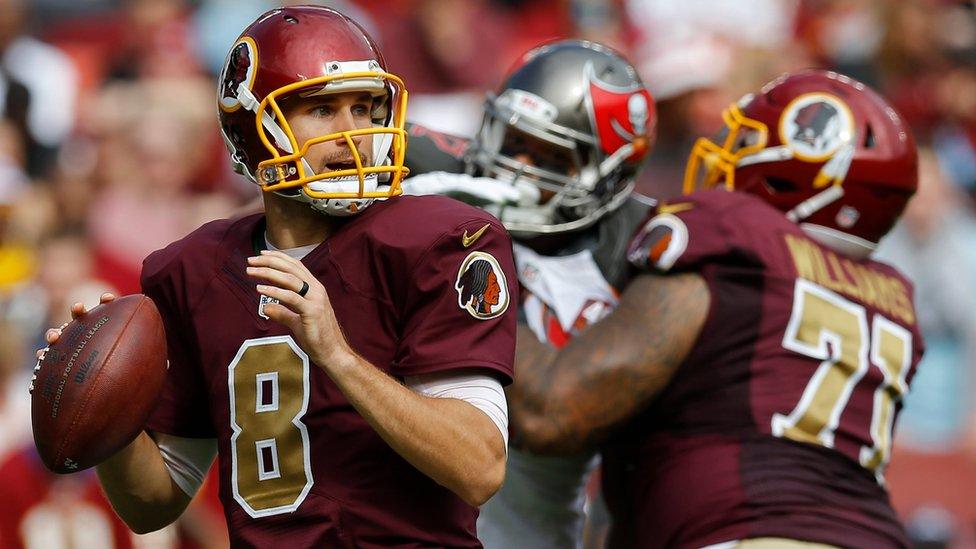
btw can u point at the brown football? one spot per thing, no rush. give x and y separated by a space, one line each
95 387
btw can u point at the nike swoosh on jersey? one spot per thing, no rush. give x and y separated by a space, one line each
467 241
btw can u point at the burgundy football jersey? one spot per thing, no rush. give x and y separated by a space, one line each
779 423
418 284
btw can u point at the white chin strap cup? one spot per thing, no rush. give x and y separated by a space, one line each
340 207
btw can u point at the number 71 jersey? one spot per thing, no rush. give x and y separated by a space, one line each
792 390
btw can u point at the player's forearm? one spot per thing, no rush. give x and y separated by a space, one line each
566 401
541 420
531 426
550 427
140 488
449 440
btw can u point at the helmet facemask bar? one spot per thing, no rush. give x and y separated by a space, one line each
292 171
713 161
574 183
495 150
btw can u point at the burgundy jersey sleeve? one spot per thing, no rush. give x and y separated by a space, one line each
460 306
182 409
684 234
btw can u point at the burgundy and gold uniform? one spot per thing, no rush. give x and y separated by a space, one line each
418 285
779 423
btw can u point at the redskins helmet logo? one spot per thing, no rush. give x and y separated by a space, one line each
815 126
239 69
481 286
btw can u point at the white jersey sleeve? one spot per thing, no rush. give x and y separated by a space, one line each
188 459
482 391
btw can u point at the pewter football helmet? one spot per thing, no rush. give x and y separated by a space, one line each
570 127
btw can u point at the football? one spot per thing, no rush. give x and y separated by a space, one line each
96 386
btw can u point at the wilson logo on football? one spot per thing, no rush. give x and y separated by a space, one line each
481 286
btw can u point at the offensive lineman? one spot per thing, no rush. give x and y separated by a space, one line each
747 397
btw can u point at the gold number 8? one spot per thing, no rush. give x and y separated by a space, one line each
268 382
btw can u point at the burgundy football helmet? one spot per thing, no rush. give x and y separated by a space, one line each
824 148
310 50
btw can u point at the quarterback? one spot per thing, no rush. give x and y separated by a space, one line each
342 353
746 394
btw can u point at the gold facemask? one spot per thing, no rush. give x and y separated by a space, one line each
713 161
290 171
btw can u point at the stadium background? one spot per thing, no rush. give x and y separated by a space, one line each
109 150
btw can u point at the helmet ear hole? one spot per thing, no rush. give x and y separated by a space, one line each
777 185
881 193
868 137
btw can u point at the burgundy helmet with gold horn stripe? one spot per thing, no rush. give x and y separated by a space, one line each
310 50
825 149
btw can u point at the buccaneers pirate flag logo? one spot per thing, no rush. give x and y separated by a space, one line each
620 115
481 286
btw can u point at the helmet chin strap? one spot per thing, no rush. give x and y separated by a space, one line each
345 207
338 207
815 203
590 177
832 173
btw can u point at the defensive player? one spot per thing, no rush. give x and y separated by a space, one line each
750 393
343 357
556 156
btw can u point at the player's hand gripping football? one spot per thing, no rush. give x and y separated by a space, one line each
77 311
309 317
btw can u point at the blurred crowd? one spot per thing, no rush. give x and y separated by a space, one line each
109 149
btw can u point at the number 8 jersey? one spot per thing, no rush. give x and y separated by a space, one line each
415 292
779 423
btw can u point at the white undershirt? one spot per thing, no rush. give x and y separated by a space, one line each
189 459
